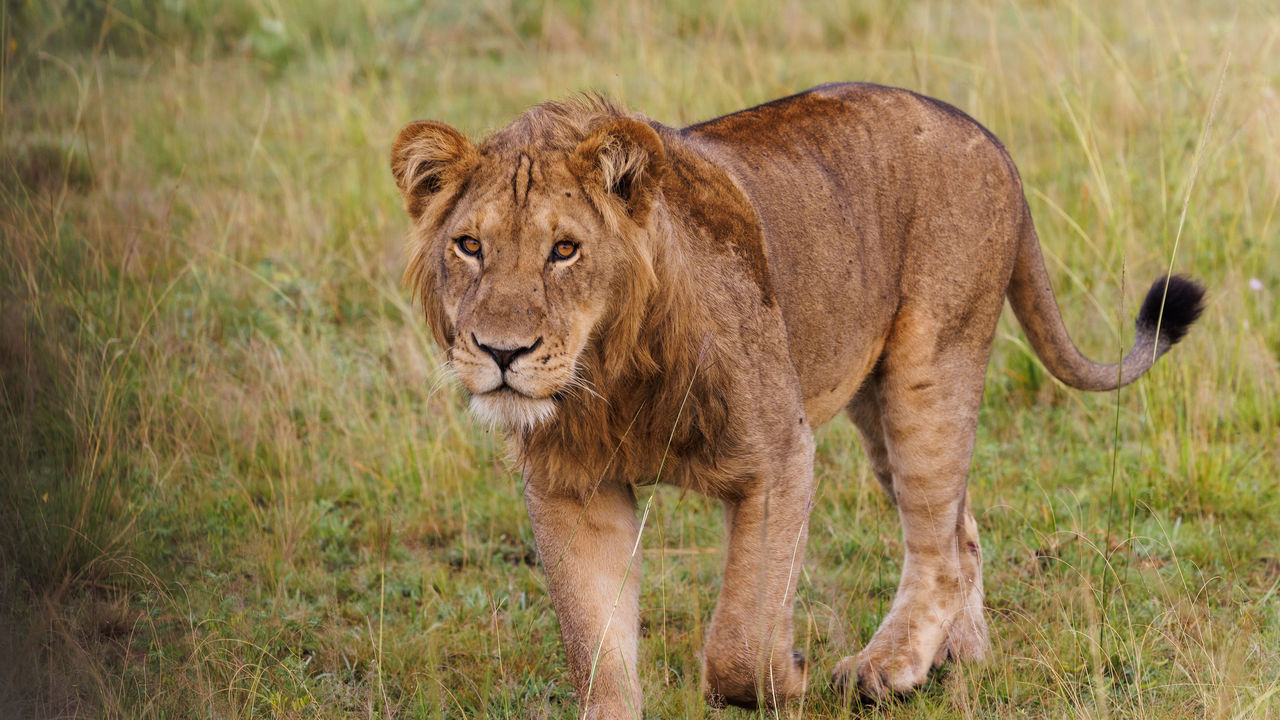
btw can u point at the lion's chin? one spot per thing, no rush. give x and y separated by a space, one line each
512 410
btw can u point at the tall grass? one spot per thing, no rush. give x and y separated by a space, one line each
233 485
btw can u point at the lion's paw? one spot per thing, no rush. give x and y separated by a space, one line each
788 681
880 671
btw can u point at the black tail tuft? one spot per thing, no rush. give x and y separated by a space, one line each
1183 302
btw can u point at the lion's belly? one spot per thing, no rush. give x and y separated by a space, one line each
822 406
835 339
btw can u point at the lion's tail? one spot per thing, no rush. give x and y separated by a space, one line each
1171 305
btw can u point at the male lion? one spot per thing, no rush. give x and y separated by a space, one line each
637 303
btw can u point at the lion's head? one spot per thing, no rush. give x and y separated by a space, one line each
532 253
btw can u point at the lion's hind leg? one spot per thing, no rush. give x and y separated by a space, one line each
928 406
968 639
864 411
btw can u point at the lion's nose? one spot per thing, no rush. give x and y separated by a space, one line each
505 356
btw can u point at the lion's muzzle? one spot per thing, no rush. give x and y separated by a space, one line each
509 386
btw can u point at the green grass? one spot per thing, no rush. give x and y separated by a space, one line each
231 485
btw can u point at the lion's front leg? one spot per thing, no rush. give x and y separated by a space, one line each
586 547
749 659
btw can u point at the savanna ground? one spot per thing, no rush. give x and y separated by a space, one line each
232 485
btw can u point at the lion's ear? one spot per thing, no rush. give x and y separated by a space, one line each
624 158
426 157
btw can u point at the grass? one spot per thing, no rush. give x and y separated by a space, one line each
230 485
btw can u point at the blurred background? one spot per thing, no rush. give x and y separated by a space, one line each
234 483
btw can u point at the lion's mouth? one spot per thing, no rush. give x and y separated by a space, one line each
507 406
507 388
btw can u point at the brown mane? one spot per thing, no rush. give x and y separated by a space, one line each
555 126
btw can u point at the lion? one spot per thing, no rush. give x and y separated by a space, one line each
636 303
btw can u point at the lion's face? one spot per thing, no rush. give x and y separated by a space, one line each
523 282
519 263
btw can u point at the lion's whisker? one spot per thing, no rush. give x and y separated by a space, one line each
444 375
580 383
578 379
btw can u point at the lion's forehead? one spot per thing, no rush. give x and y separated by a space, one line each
525 198
523 174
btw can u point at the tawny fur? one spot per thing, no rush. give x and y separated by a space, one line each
731 286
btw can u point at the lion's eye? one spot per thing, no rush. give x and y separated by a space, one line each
564 250
468 245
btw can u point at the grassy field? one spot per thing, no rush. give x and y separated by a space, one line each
231 485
